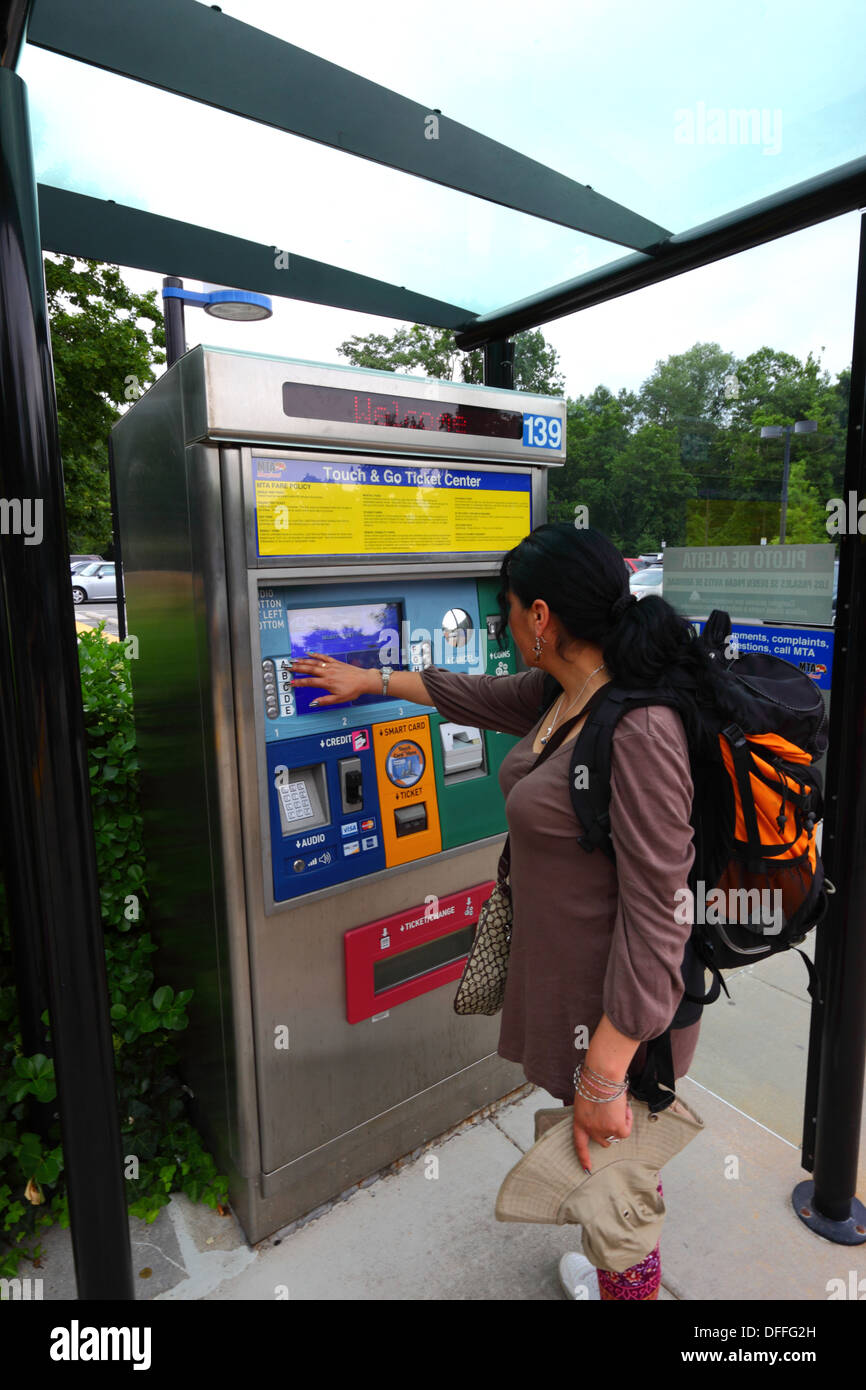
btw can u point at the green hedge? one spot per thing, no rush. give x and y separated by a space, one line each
163 1152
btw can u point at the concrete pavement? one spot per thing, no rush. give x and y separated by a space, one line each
425 1230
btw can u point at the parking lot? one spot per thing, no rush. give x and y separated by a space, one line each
92 614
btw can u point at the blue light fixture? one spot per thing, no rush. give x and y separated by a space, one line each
238 306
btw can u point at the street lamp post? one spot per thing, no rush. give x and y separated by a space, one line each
774 432
235 305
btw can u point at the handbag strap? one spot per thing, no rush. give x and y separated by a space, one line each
551 746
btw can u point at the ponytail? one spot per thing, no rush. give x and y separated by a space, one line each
581 576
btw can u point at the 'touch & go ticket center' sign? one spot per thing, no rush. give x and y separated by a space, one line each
307 507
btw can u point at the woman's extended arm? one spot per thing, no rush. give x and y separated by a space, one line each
508 704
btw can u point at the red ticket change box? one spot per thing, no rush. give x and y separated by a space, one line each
399 957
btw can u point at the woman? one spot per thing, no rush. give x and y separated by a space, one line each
596 949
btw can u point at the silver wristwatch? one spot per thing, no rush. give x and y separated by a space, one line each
387 673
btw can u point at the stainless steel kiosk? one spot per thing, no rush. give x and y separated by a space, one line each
315 875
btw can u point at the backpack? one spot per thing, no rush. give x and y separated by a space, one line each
757 876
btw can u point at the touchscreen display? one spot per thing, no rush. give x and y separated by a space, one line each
352 632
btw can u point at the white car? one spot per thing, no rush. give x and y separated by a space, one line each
647 581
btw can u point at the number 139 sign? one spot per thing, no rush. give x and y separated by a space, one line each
542 431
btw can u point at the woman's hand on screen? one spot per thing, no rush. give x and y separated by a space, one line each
342 681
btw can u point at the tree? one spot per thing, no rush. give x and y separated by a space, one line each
684 461
690 390
652 488
597 431
431 351
434 352
536 365
103 359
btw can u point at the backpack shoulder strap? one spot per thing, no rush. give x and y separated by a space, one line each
589 771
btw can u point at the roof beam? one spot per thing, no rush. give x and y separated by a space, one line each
828 195
93 229
200 53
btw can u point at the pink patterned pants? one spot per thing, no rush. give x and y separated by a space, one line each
638 1282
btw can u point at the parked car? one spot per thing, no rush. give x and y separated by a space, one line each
77 562
632 566
94 583
647 581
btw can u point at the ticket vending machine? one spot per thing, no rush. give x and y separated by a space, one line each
315 874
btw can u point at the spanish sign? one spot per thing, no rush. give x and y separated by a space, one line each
306 507
809 649
773 583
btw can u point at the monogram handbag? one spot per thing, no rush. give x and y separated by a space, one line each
482 984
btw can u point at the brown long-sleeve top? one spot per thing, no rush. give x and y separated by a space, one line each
589 937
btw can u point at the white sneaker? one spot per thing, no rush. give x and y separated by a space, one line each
578 1278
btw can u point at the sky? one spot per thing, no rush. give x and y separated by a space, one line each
645 103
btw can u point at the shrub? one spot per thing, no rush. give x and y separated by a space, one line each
164 1152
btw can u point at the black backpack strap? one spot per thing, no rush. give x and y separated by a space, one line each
742 758
656 1085
589 772
716 632
696 959
591 755
814 985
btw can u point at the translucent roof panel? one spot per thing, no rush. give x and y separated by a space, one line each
680 113
181 159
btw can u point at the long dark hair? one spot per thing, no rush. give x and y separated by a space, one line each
582 577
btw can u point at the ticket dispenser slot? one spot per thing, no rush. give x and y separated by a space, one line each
410 820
